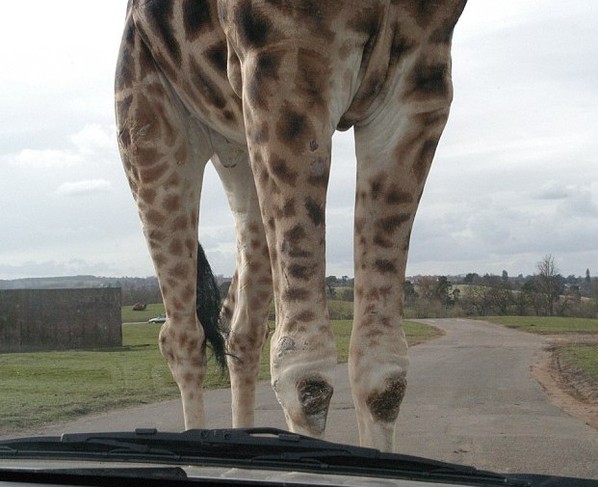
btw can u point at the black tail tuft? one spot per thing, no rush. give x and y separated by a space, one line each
208 307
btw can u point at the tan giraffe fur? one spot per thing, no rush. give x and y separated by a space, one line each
259 87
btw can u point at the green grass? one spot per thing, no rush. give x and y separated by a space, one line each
581 357
545 325
152 310
340 310
44 387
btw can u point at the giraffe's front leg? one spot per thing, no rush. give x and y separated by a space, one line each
164 159
303 353
295 88
394 154
290 155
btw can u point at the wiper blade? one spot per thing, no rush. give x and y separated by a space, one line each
255 447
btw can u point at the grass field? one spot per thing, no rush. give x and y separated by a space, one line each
580 357
546 325
43 387
130 316
339 310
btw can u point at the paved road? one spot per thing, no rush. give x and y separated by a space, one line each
471 399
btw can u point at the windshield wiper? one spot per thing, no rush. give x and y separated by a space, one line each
256 448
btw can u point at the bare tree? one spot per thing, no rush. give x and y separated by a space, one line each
549 283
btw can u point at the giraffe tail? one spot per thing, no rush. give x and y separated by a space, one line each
208 308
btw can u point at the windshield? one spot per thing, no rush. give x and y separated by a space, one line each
500 293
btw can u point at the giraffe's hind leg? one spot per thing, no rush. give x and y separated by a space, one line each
164 154
394 154
245 310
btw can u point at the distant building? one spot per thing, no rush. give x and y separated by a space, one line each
59 319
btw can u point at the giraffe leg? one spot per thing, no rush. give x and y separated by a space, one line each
245 311
295 88
303 352
164 154
394 154
290 156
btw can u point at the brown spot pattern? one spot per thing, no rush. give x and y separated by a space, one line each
254 28
385 266
297 294
301 272
197 18
295 234
390 224
396 196
280 169
430 81
315 212
211 93
161 16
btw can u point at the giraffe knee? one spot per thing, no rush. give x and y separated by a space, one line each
384 403
305 402
314 394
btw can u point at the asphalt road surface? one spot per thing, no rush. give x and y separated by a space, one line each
471 399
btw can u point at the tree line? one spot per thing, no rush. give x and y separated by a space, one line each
545 293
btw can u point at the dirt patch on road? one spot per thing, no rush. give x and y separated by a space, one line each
569 388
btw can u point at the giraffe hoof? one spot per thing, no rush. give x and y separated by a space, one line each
314 394
384 405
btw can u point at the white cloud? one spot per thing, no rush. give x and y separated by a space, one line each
43 159
94 138
78 188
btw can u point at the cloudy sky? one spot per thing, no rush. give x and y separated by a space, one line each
515 177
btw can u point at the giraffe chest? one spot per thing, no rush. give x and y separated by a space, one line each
373 38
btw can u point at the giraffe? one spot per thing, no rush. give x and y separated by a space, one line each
259 87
